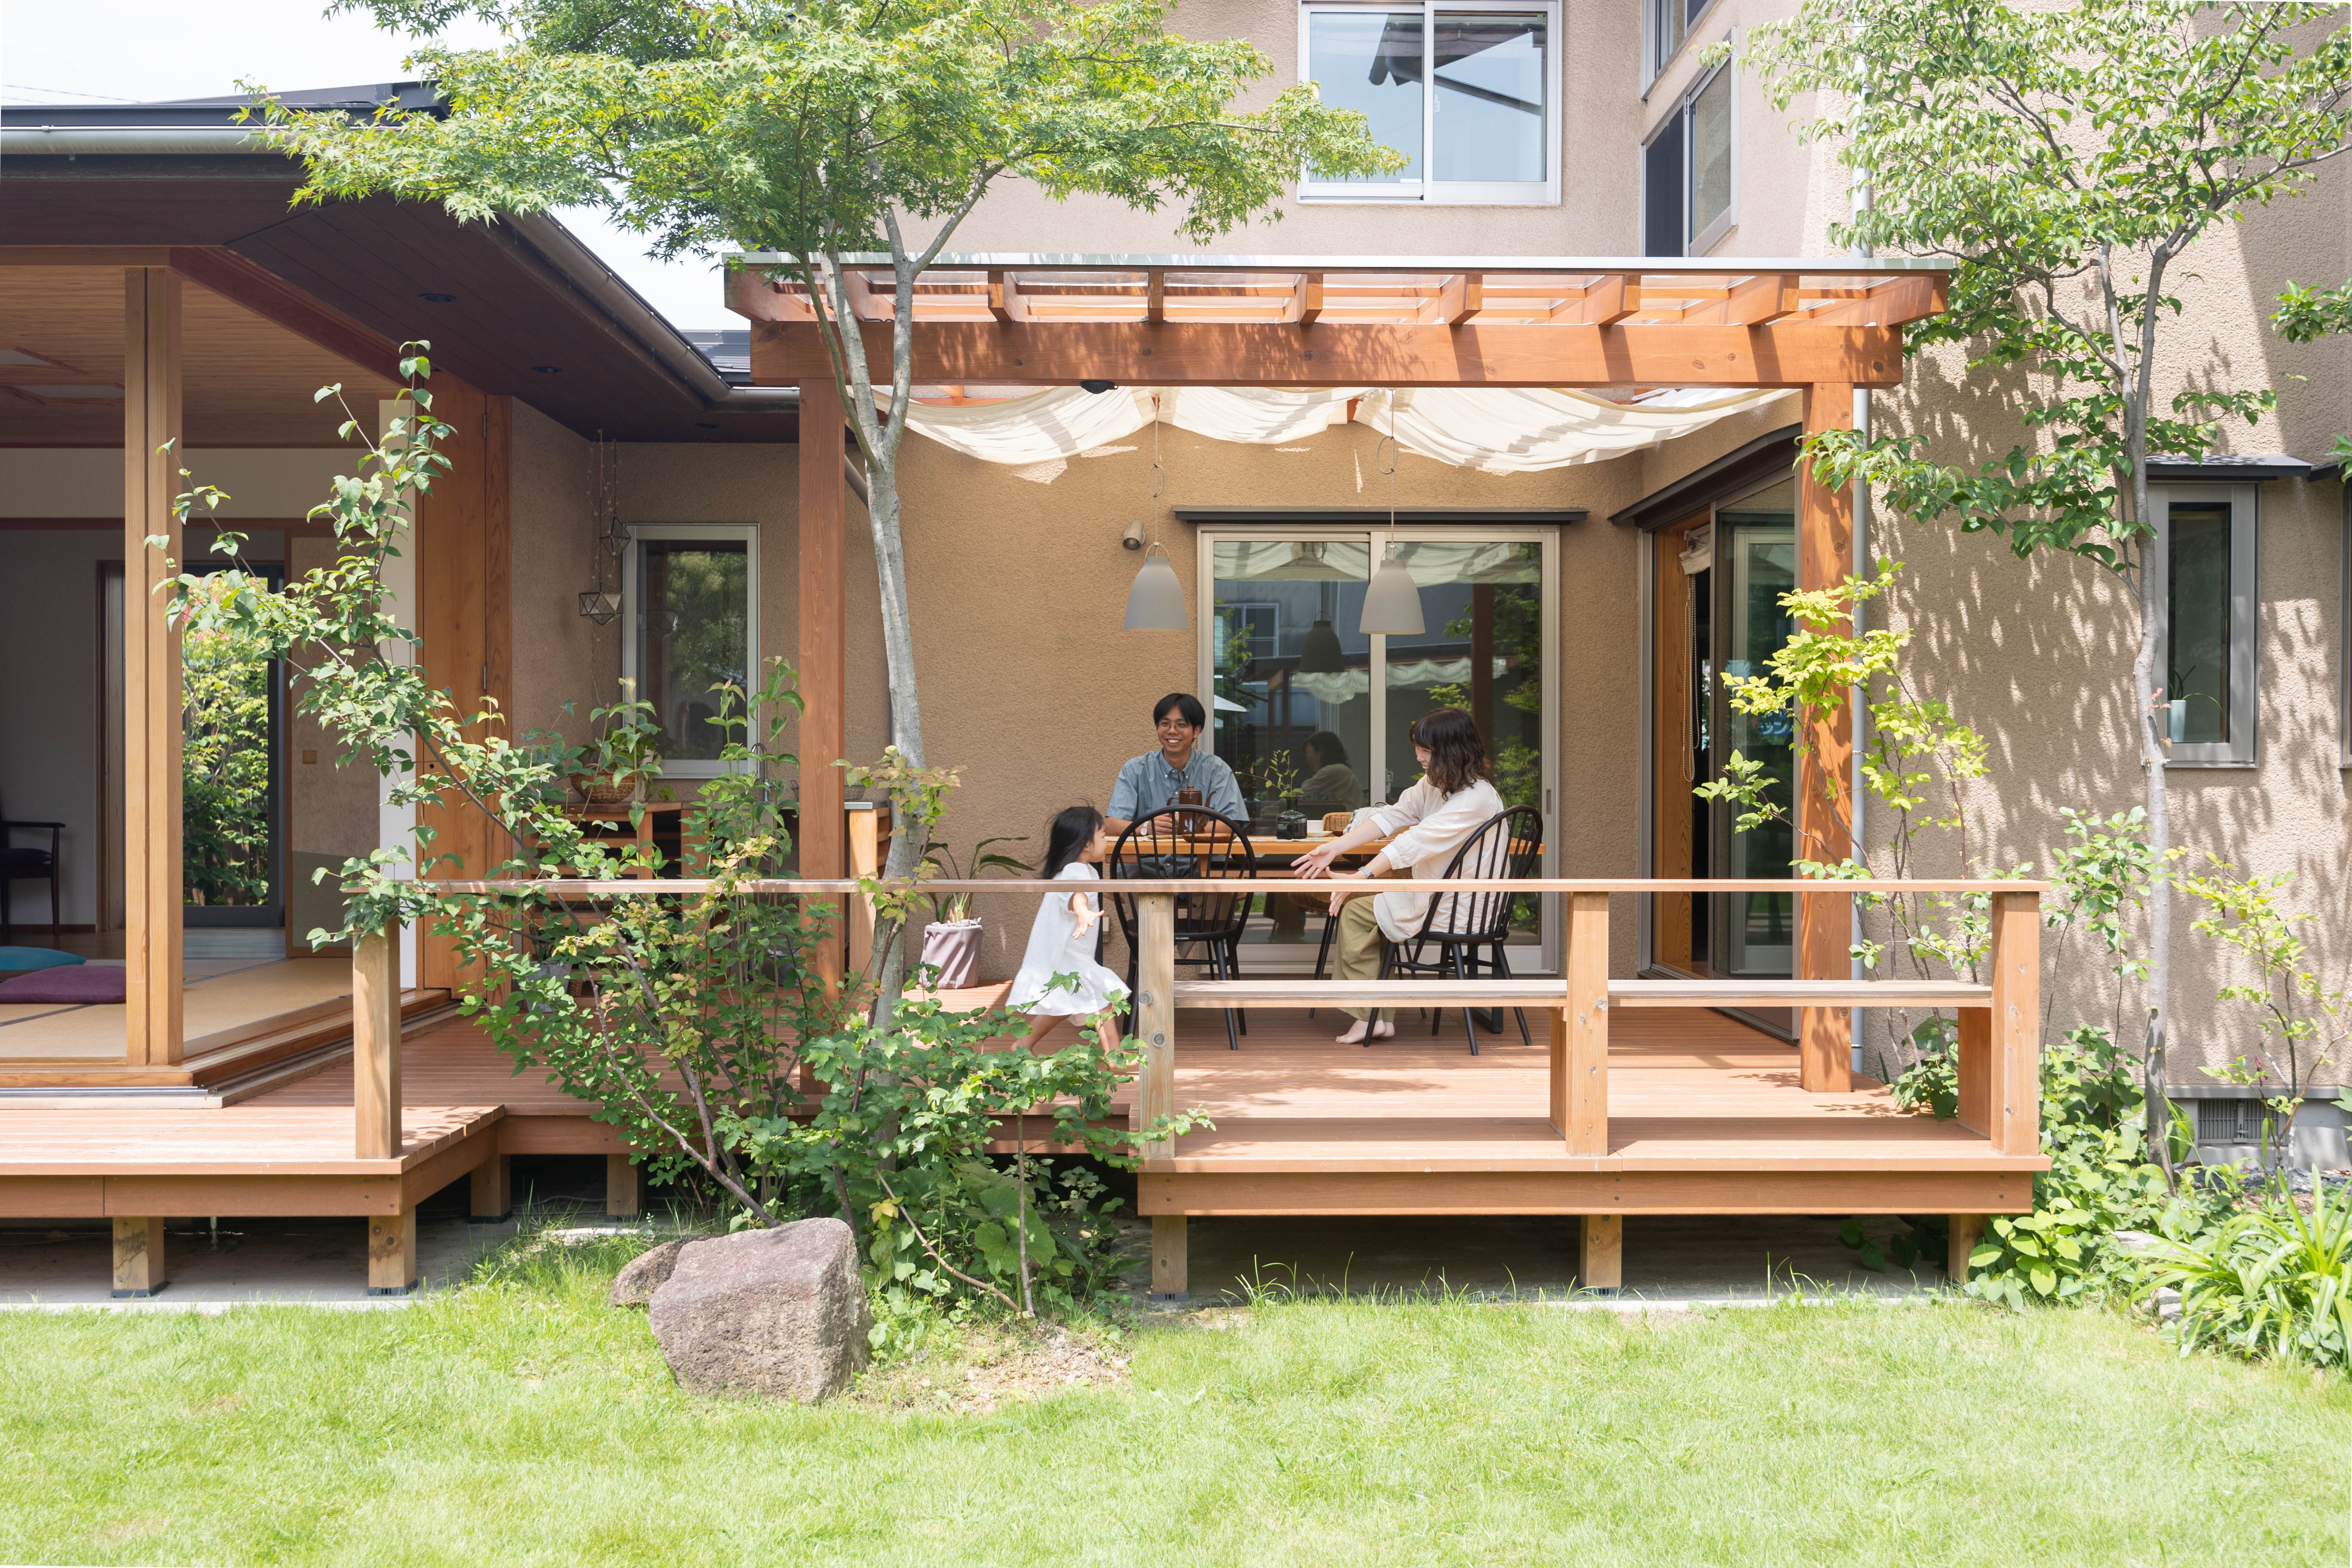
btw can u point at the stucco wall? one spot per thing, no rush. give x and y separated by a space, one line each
48 709
560 654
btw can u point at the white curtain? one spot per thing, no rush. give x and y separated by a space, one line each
1504 430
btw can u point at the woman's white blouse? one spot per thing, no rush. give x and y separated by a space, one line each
1430 828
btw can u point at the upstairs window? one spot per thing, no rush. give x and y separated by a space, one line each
1687 173
1468 93
1670 23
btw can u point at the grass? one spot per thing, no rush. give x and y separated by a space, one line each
523 1421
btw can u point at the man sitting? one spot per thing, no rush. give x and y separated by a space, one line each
1153 780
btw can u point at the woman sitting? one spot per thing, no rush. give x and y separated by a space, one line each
1330 785
1450 801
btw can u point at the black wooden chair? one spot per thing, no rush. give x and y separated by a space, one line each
1471 929
27 865
1186 842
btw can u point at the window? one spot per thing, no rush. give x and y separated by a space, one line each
692 602
2201 570
1669 23
1468 93
1688 170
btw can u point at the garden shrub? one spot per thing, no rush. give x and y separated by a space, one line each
2272 1280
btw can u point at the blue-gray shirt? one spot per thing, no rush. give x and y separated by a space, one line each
1147 783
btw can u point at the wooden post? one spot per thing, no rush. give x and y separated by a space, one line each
1155 1090
139 1269
863 830
1600 1253
391 1253
2015 1023
1968 1229
1170 1259
1825 767
1975 1065
375 1045
823 634
1580 1031
152 894
623 1192
493 1191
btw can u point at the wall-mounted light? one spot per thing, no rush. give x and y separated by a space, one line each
1155 601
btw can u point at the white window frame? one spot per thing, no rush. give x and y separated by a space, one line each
1429 189
1655 56
748 533
1706 239
2241 749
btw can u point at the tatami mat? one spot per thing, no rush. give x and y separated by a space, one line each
221 994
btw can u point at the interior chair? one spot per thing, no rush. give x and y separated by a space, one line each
1188 842
27 863
1467 930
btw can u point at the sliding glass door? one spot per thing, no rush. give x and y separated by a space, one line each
1315 716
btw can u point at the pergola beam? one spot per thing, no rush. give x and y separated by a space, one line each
1348 354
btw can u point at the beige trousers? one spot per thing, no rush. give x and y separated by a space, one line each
1355 950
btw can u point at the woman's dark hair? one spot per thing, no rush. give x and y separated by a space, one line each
1067 835
1328 748
1457 752
1183 702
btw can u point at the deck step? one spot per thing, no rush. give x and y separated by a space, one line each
1798 993
1550 993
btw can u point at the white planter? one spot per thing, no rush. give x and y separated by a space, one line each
953 947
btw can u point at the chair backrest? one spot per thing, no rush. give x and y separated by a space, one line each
1184 841
1506 846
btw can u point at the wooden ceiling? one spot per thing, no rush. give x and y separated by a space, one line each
246 382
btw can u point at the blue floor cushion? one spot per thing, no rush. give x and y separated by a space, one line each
22 958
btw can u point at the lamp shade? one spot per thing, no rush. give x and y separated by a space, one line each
1156 602
1392 602
1321 653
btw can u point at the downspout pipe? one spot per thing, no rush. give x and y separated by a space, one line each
571 263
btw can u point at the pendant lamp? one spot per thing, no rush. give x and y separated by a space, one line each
1155 601
1393 599
1321 653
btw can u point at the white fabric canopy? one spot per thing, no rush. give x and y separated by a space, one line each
1340 685
1508 430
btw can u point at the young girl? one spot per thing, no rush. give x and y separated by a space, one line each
1061 943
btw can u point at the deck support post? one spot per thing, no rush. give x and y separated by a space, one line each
139 1266
493 1191
151 876
824 648
1170 1257
1600 1253
391 1253
375 1045
2014 1020
1580 1031
1824 784
1968 1229
624 1191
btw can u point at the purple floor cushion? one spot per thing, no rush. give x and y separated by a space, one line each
76 983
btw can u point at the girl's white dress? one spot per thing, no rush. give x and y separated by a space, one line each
1057 948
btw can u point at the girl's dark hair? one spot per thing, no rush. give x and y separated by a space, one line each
1067 835
1328 747
1458 754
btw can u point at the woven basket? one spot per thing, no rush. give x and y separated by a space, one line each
603 792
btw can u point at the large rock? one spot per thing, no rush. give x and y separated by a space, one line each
780 1312
645 1273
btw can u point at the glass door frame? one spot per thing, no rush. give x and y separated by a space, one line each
1376 785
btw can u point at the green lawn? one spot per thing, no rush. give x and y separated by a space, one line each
529 1423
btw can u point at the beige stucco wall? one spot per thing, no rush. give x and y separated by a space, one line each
560 654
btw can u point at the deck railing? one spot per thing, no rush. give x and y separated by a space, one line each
2000 1049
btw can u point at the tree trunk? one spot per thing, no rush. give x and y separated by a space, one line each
906 708
2155 991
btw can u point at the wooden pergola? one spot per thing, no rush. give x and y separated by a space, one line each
1821 326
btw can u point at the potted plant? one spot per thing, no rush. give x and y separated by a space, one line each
951 942
625 753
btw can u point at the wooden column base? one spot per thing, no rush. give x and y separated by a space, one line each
1600 1253
391 1253
139 1269
493 1190
622 1188
1968 1229
1170 1264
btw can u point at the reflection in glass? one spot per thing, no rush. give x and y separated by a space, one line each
1370 61
693 634
1710 153
1483 603
1490 96
1755 933
2196 616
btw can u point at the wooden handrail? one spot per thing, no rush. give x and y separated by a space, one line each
586 887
